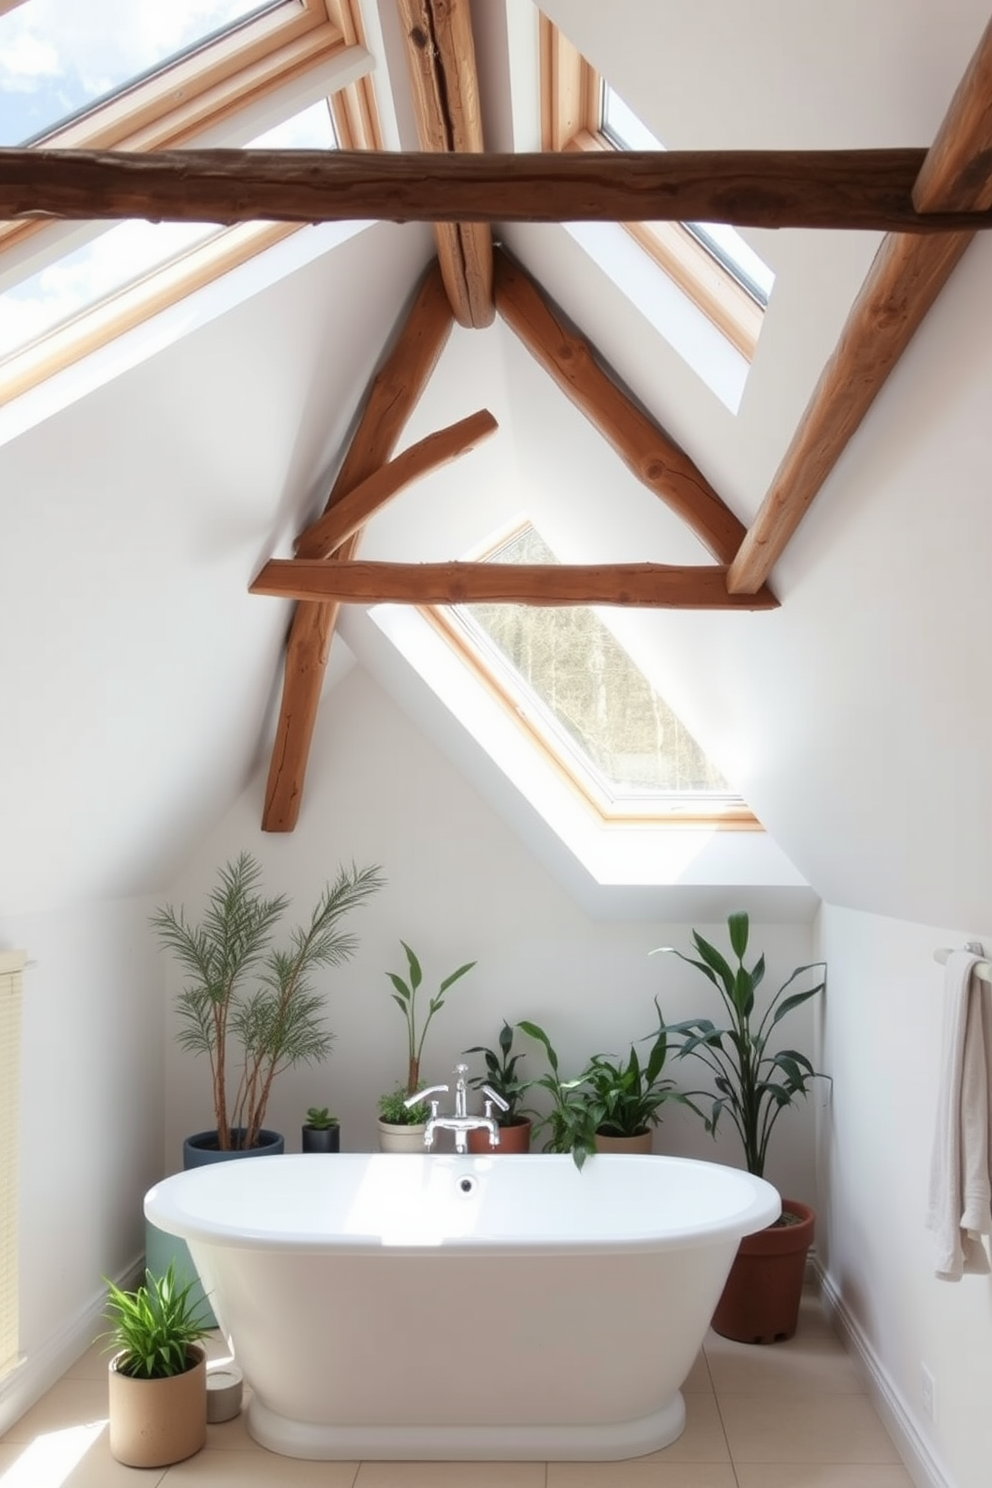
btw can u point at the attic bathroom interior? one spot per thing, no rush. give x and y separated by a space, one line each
281 497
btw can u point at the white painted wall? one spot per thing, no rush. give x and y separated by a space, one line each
882 1045
460 886
91 1121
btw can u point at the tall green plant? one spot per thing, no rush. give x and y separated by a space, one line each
753 1085
278 1021
154 1327
405 996
567 1125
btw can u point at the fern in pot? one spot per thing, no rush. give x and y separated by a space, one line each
248 1005
753 1084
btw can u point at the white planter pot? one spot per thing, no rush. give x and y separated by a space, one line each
393 1138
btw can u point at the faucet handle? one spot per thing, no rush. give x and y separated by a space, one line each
461 1070
493 1099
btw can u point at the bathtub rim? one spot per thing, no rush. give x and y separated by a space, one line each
161 1207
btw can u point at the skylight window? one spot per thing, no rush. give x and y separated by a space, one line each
624 130
700 285
129 252
60 58
566 677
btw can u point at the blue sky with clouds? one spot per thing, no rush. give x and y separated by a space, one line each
58 56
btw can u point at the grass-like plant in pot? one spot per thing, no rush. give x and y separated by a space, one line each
157 1379
753 1084
248 1005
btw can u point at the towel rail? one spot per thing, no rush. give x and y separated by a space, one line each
983 970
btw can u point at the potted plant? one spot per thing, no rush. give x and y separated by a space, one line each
611 1106
753 1085
501 1075
401 1127
157 1376
321 1132
624 1098
566 1125
248 1005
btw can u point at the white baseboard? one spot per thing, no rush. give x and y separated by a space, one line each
920 1462
35 1375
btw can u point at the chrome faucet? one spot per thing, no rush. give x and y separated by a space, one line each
461 1123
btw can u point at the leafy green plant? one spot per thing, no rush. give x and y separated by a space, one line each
278 1021
154 1326
393 1108
405 996
501 1075
625 1099
753 1085
320 1118
567 1125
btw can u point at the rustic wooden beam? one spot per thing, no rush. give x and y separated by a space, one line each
646 585
643 445
391 398
440 54
904 280
868 190
350 514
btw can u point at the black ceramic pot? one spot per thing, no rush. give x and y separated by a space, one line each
321 1138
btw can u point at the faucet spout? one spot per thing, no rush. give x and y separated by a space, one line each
460 1123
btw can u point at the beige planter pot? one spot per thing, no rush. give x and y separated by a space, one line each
154 1422
393 1138
643 1142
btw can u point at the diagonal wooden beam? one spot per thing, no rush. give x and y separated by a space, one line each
391 398
868 190
905 278
643 446
440 53
647 585
350 514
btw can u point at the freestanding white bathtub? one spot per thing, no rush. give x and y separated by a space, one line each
403 1306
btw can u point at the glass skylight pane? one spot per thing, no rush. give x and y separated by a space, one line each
598 699
81 279
60 57
130 251
625 130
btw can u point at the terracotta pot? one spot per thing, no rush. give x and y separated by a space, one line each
642 1142
760 1302
512 1138
396 1138
154 1422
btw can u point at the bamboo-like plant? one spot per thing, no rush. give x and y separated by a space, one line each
405 996
278 1021
753 1085
154 1327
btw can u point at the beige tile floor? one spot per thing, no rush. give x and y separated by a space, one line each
792 1415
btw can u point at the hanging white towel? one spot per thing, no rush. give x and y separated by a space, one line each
960 1207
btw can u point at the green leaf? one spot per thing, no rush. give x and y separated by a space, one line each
416 974
737 927
712 957
449 980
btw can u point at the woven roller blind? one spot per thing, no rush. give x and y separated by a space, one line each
11 977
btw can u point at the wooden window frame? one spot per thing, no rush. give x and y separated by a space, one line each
583 783
571 95
199 91
216 82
